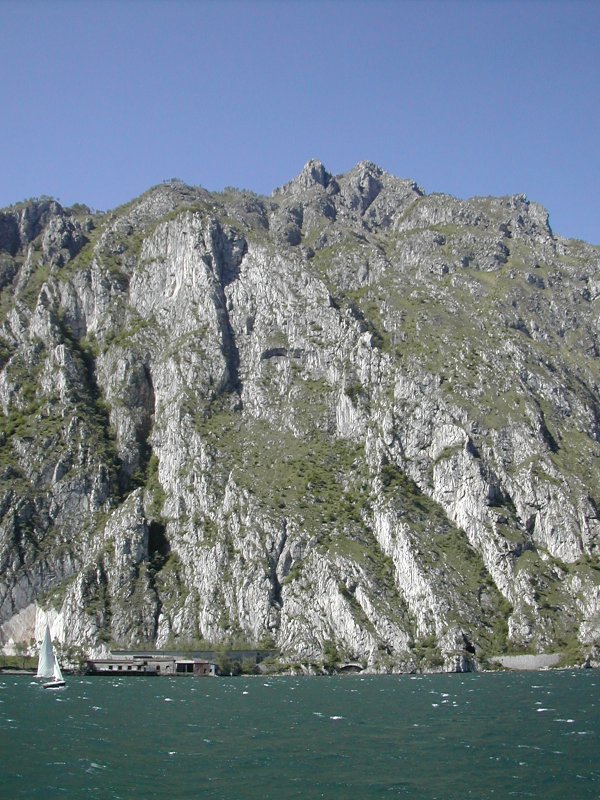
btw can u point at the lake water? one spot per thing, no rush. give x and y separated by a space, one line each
439 736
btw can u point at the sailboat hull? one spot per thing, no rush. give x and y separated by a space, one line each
54 685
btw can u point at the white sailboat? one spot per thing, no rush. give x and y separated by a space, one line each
48 666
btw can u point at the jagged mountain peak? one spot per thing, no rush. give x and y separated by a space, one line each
313 176
160 200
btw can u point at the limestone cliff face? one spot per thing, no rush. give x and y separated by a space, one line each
350 415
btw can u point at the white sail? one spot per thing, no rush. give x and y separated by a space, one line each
46 659
57 673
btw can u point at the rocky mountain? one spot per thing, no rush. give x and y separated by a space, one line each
349 419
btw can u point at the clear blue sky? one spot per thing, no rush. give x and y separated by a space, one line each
102 99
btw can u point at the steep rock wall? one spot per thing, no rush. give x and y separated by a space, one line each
351 415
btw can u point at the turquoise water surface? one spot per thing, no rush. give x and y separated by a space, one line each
439 736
